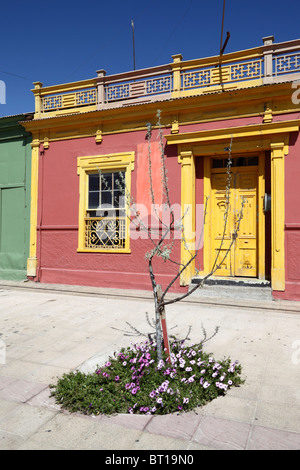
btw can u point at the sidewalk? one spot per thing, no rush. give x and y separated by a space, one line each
46 330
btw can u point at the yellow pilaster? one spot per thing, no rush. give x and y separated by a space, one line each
188 214
38 100
278 150
207 262
32 260
176 67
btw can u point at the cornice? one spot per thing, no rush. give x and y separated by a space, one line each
237 132
133 117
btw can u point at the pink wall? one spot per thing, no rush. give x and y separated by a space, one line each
292 222
59 261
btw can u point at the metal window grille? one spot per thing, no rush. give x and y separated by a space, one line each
106 221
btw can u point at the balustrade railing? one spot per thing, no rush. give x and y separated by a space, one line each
269 63
138 88
236 72
69 100
287 63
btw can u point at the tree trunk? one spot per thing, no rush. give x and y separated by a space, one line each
163 322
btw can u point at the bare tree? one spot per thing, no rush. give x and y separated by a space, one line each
163 244
164 250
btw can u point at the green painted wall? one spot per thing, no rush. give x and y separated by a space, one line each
15 165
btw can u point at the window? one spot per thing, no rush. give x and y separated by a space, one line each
105 221
103 212
235 162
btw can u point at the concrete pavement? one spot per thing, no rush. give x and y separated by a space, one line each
46 330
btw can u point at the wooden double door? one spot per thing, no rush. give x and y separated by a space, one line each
239 257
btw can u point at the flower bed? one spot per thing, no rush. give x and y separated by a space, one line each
133 382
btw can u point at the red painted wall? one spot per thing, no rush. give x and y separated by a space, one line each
59 261
58 210
292 222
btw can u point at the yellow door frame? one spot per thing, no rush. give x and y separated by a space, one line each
208 251
274 137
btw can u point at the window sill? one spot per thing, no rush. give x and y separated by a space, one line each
88 250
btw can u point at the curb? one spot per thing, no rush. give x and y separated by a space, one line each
281 306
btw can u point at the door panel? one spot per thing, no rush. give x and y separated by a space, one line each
221 233
242 258
12 238
245 249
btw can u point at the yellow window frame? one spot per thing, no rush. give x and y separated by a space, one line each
107 163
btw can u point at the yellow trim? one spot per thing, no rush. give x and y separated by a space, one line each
207 225
239 132
260 188
278 151
176 67
188 214
112 162
32 260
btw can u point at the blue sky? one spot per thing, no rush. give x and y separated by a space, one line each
63 41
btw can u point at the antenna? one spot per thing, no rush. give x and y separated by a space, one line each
132 25
222 46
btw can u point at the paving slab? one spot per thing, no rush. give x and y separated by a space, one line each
48 330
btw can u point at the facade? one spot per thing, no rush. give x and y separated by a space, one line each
245 104
15 165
